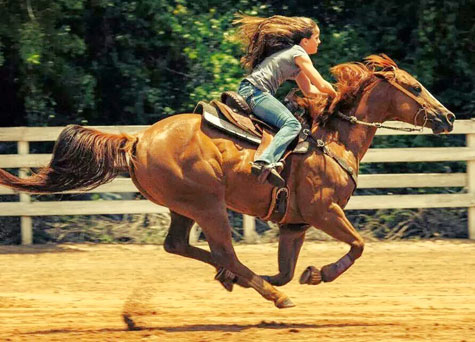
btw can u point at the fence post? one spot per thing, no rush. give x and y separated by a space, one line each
194 234
26 221
471 186
249 228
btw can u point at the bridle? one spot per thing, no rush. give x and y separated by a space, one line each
422 109
352 119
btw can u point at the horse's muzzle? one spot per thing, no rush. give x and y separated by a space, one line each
443 122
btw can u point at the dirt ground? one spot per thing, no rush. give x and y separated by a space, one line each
397 291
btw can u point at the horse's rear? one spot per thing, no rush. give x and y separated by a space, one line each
190 168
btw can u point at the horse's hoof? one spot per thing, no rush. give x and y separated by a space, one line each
227 285
311 276
284 303
225 278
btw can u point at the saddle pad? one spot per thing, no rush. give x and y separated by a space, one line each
202 107
230 128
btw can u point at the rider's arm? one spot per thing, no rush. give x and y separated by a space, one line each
307 88
307 69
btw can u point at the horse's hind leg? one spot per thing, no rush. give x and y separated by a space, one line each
215 225
335 224
177 242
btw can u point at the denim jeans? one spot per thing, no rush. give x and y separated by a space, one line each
270 110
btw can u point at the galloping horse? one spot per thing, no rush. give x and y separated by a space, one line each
198 172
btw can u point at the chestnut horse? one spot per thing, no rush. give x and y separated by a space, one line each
198 172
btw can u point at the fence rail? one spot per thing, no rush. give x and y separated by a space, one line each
26 208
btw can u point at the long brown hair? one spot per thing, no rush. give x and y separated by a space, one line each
262 37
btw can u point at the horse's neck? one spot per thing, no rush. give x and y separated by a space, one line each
358 139
355 138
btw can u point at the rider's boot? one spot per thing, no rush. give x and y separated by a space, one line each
268 172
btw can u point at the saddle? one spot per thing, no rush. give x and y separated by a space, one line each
233 115
234 109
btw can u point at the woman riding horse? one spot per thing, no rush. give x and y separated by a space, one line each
199 172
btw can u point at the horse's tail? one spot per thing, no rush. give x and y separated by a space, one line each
83 158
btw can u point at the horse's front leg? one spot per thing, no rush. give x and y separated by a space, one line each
334 223
290 242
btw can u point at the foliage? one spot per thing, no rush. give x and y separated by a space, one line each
10 231
115 61
150 229
135 62
411 223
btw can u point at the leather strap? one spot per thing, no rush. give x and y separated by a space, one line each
407 92
280 197
340 161
202 107
343 164
278 205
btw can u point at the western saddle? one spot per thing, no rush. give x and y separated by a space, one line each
233 115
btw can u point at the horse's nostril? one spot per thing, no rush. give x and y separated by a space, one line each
451 118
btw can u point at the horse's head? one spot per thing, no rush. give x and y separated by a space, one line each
410 101
401 95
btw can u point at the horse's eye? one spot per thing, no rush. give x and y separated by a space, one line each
417 89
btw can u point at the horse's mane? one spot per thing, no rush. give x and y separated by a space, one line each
353 79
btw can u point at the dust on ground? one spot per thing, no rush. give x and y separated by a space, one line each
397 291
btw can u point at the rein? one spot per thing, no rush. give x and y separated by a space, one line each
423 109
354 120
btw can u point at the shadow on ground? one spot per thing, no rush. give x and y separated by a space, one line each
38 249
293 327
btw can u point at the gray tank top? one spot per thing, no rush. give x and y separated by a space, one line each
276 69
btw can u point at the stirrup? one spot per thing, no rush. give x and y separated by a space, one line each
268 172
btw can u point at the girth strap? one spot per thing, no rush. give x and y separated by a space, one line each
340 161
280 197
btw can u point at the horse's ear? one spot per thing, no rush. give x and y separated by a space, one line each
380 62
390 68
390 63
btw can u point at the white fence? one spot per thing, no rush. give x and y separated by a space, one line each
27 209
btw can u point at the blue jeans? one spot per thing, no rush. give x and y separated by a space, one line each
270 110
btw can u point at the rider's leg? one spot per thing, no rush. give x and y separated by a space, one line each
272 111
